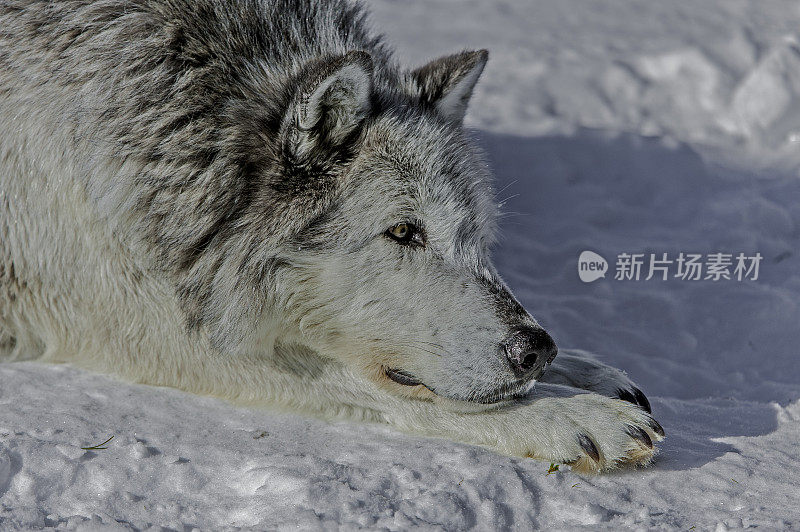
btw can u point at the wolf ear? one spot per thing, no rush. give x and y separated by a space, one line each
446 83
330 105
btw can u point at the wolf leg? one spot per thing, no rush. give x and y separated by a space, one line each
591 432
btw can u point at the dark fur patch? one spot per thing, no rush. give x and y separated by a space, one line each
508 309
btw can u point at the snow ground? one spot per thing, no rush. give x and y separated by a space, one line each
624 126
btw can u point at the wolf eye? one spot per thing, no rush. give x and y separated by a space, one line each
401 231
406 233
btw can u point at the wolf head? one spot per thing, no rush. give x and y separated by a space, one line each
381 220
390 271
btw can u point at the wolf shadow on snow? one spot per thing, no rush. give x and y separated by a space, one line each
711 356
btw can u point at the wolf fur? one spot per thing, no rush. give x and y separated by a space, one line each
198 194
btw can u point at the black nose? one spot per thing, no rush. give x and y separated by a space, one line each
528 349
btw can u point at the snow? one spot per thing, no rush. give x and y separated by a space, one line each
617 127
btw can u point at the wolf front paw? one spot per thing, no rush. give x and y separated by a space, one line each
579 370
638 450
592 433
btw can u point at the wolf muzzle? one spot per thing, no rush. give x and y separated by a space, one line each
529 350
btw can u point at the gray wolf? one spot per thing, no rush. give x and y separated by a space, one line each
251 199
